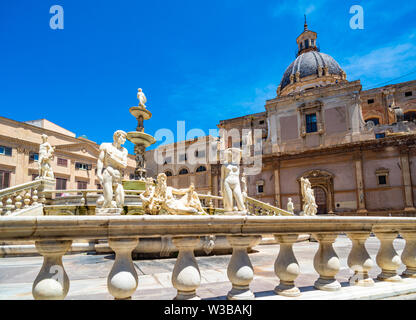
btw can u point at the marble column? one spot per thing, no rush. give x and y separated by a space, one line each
387 258
186 276
409 255
357 158
407 180
122 280
359 260
52 282
286 266
326 263
278 200
240 271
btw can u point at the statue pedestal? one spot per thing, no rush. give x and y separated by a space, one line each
108 211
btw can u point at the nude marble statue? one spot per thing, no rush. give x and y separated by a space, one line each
111 162
161 198
309 204
45 157
142 98
230 182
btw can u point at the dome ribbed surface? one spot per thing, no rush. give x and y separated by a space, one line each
307 64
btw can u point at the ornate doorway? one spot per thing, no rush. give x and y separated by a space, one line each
320 198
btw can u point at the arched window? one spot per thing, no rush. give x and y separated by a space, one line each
376 121
183 171
168 173
201 169
410 116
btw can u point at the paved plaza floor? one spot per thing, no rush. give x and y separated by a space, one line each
88 273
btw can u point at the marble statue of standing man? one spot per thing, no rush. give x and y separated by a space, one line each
142 98
45 156
110 165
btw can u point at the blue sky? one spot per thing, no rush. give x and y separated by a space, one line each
197 61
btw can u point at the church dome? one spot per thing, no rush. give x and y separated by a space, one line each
309 64
311 68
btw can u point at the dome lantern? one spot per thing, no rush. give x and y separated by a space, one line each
306 40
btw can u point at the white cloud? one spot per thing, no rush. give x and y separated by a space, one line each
383 63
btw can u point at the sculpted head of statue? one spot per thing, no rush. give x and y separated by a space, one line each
119 137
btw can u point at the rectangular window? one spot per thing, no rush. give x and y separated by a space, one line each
408 94
6 151
261 122
62 162
33 156
60 185
260 188
4 179
182 157
83 166
382 179
82 185
311 125
370 101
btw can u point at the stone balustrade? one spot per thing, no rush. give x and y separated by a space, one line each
18 199
54 235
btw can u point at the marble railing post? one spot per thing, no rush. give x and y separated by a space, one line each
409 255
359 260
387 258
52 282
326 263
240 271
122 280
286 266
186 276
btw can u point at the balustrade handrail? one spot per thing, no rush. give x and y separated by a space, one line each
98 227
88 191
21 187
269 207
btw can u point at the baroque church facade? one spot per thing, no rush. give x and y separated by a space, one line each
356 147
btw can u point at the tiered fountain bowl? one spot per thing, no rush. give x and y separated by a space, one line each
139 138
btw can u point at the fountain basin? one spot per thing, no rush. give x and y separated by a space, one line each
141 138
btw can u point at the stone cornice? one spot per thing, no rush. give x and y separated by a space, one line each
315 93
408 142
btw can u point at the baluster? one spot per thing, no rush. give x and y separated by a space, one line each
122 280
286 266
359 260
240 271
27 199
18 201
409 255
326 263
387 258
52 282
9 205
42 198
35 197
186 276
